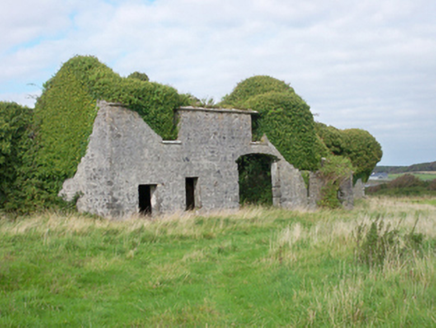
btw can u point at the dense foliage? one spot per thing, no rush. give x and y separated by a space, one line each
283 116
358 145
63 120
404 185
41 148
431 166
139 76
334 171
15 141
255 186
252 87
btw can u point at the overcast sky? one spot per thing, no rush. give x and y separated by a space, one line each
358 64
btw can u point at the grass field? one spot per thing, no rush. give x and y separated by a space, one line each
425 176
256 267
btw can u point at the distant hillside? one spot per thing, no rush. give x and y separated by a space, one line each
403 169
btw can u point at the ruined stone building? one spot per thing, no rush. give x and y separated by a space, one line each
128 168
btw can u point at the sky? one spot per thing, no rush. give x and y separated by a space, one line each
368 64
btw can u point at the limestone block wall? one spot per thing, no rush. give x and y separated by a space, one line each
316 183
124 152
359 189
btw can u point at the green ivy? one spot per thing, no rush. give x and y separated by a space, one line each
334 171
358 145
254 86
139 76
255 186
15 141
284 117
63 119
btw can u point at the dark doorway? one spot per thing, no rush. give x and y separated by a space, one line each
145 198
255 185
191 184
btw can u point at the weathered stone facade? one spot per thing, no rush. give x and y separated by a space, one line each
127 160
359 189
317 183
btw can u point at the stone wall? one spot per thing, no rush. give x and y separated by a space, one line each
124 152
316 183
359 189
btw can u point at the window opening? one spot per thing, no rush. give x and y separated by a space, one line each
255 184
146 193
191 184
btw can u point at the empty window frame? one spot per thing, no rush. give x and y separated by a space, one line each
191 191
146 198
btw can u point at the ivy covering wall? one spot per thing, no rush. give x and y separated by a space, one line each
65 113
40 148
15 141
284 117
359 146
62 123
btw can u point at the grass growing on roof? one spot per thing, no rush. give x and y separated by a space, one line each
257 267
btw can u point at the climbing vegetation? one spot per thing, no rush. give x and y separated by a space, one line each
359 146
40 148
65 113
252 87
284 117
15 140
62 123
255 185
334 171
139 76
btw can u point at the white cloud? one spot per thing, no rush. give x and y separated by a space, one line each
367 64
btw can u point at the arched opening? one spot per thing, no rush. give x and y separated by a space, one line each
255 186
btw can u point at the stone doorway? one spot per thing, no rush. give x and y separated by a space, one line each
191 193
255 181
146 198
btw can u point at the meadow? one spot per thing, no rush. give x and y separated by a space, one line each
424 176
372 266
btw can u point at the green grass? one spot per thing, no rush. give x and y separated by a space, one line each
257 267
423 176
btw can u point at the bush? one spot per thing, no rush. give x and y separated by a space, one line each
358 145
255 185
15 140
406 181
377 243
404 185
432 185
334 172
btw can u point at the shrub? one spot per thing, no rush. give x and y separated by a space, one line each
404 185
255 185
358 145
432 185
334 172
405 181
377 243
15 140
